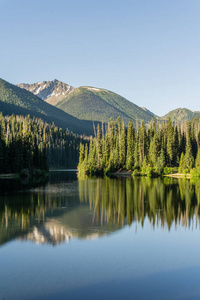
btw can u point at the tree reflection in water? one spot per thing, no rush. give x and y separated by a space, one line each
165 201
97 204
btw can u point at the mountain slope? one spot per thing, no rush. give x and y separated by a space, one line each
50 91
89 103
14 100
181 114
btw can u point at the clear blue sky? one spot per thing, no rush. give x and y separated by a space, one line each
145 50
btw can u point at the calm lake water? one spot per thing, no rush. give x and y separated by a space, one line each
99 239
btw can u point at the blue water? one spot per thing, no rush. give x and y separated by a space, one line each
97 258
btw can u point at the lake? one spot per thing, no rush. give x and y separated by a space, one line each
130 238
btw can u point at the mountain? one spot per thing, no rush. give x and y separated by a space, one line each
15 100
95 104
90 103
50 91
181 114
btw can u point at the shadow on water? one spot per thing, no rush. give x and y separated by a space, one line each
9 186
55 211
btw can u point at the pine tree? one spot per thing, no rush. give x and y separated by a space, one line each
141 142
81 154
116 154
153 152
86 154
181 163
99 148
122 146
106 151
197 160
160 162
136 155
189 160
130 146
170 142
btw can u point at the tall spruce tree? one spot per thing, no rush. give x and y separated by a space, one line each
197 160
130 146
189 159
170 142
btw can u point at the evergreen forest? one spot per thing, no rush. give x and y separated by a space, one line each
31 143
152 150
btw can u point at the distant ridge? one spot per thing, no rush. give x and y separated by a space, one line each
181 114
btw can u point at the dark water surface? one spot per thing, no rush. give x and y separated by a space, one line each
99 238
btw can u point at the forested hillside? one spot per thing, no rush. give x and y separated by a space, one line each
42 139
95 104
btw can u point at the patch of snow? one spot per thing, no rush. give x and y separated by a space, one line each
49 95
38 90
93 89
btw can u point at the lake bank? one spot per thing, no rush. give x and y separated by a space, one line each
129 173
9 175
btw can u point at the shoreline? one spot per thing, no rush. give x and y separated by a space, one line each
11 175
129 173
179 175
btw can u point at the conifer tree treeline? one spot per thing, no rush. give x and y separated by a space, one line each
162 144
33 143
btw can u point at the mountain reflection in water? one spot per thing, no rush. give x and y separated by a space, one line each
64 209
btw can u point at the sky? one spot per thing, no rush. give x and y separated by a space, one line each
148 51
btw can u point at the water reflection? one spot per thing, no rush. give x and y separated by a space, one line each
163 202
65 207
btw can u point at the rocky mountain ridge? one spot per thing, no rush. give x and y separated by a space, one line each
50 91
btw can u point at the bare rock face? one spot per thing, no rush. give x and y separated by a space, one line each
50 91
